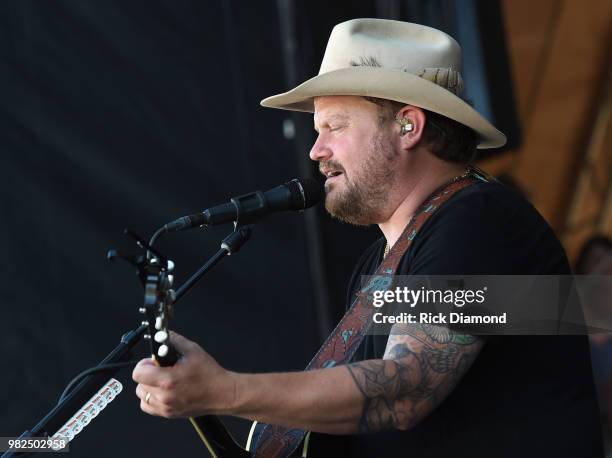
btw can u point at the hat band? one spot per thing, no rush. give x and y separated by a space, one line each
447 78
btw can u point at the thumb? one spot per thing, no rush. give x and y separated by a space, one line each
183 345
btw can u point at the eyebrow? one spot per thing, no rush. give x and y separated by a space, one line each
335 117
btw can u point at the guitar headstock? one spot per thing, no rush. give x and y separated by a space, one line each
158 299
155 273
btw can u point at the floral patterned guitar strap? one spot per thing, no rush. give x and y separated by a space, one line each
277 441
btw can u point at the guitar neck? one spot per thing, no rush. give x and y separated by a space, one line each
158 299
216 437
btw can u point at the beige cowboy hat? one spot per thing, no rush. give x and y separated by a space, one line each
392 60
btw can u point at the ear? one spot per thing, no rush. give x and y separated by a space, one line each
414 118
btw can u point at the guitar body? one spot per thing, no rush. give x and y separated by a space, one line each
314 444
221 444
257 428
218 440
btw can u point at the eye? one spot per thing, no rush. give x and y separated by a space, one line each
335 128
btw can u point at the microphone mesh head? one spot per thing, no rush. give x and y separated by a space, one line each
305 193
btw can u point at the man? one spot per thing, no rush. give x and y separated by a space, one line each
391 130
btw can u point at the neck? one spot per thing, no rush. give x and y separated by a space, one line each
417 188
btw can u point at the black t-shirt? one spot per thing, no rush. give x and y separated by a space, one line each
524 396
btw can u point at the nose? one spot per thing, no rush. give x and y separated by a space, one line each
320 151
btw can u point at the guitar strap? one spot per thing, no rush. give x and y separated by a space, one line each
277 441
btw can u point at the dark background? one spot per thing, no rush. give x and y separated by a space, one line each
121 114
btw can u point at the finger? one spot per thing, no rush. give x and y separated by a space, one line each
148 408
145 362
136 373
148 373
142 390
156 393
149 399
183 345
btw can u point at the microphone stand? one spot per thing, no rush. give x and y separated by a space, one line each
230 245
74 400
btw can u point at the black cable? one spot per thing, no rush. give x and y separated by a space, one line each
156 235
93 370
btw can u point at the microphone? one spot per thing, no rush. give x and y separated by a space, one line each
294 195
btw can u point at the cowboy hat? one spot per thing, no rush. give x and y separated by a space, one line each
392 60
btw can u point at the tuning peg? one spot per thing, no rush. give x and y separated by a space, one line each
146 336
161 336
170 265
171 296
158 323
168 281
142 310
162 351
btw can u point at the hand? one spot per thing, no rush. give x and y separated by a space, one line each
196 385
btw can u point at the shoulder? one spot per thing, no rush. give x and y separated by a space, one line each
488 202
486 228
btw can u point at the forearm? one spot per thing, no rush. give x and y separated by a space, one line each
397 392
420 367
326 400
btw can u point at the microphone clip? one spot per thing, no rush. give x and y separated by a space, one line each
234 241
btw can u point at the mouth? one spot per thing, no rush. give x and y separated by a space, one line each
331 174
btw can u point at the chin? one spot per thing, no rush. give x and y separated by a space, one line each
329 185
340 212
332 195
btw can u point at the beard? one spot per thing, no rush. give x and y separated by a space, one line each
362 201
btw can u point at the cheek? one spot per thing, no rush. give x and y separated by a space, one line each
348 152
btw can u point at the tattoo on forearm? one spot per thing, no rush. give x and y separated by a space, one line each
399 351
421 366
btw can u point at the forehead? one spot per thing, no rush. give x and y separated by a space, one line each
341 107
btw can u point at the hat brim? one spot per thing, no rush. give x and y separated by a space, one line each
392 85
